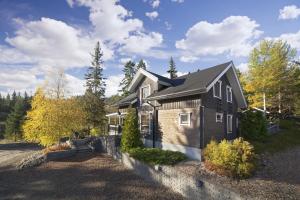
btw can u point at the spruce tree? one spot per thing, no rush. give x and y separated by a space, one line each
15 120
141 64
172 69
129 72
95 90
131 137
13 99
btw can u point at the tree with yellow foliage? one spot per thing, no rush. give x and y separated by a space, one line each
51 119
270 80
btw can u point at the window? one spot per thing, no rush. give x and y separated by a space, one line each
219 117
184 118
218 89
229 94
229 123
144 123
145 92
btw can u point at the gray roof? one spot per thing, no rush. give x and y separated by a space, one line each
162 78
127 100
192 83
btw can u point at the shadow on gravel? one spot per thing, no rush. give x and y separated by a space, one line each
82 177
20 146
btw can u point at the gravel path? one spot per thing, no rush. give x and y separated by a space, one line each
82 177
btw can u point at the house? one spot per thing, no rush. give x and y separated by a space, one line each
186 112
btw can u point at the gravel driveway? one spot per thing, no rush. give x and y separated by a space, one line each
12 153
86 176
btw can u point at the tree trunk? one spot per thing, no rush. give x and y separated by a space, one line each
264 99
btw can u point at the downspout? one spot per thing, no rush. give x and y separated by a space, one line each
153 123
202 127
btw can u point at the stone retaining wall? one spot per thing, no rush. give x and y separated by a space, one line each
190 187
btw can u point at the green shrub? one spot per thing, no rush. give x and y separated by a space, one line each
131 137
235 159
154 156
253 125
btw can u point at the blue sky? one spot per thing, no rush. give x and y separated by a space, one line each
39 38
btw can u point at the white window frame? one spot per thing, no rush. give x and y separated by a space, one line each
229 100
189 119
229 116
141 94
150 121
221 114
220 89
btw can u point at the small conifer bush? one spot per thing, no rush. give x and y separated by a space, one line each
131 137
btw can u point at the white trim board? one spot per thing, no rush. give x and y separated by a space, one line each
138 77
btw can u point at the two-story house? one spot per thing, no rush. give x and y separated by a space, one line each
186 112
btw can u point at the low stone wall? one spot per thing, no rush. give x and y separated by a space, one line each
39 157
60 154
189 186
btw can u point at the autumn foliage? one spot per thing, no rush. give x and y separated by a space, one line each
234 159
51 119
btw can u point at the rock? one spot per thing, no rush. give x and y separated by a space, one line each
32 161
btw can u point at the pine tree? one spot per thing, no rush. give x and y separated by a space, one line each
172 69
15 120
95 90
141 64
129 72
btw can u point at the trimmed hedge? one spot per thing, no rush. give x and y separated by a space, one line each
155 156
234 159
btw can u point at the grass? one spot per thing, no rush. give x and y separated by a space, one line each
155 156
288 137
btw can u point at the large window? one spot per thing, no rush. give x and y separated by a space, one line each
218 89
145 123
145 92
229 123
229 94
185 119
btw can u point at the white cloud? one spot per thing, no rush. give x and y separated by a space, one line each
75 86
140 44
113 83
167 75
243 67
125 60
189 59
155 3
51 43
115 25
178 1
234 35
291 38
152 15
289 12
18 79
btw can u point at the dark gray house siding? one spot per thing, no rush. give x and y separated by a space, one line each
212 105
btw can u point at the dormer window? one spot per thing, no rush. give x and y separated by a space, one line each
217 89
229 94
145 92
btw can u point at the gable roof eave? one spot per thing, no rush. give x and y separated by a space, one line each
138 77
243 103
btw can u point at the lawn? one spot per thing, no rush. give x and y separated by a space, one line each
288 137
